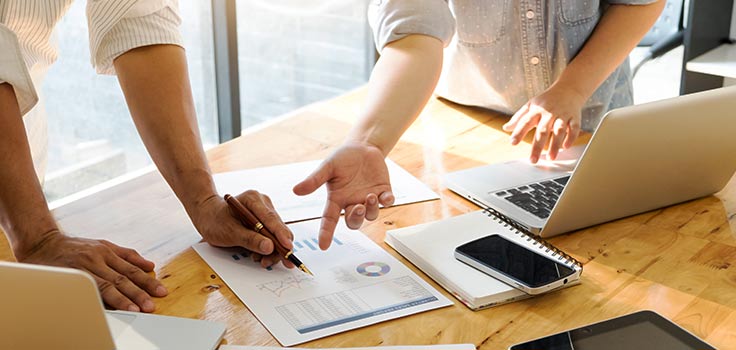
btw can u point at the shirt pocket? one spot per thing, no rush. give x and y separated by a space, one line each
576 12
480 22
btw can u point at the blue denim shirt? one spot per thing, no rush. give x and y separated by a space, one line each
501 53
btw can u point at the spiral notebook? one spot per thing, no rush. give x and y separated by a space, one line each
430 247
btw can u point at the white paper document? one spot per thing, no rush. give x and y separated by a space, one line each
406 347
277 182
356 283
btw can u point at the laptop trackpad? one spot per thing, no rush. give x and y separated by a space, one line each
521 171
118 323
125 334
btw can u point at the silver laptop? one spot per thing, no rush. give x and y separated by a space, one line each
640 158
58 308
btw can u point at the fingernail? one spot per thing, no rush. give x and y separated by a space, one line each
134 308
514 140
372 200
161 291
265 246
359 211
387 197
148 305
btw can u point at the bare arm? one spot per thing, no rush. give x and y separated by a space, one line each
400 86
35 237
155 82
556 112
21 196
620 29
356 174
156 85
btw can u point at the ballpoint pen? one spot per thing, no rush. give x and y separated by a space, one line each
251 221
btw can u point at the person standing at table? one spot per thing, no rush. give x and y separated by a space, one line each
556 65
139 41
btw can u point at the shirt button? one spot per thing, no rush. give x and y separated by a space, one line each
530 14
534 60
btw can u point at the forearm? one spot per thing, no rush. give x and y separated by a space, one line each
156 85
24 214
400 86
620 29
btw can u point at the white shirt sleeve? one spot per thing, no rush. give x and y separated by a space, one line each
13 70
392 20
147 22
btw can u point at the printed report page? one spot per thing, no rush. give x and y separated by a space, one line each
356 283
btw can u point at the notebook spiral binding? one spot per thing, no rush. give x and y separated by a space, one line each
556 252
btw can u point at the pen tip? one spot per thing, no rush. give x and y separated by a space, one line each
306 270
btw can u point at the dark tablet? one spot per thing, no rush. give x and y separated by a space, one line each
640 330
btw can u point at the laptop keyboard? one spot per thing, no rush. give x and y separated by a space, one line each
537 198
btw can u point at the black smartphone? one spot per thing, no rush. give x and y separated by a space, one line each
516 265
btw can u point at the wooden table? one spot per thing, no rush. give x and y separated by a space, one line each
679 261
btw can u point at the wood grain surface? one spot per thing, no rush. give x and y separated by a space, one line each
679 261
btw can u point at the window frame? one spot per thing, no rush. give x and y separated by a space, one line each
227 74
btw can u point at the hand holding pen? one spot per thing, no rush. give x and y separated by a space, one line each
249 220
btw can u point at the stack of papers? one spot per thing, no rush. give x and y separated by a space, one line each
356 283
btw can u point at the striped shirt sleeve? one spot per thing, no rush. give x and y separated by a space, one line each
13 70
146 23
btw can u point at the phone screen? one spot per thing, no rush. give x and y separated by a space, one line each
515 261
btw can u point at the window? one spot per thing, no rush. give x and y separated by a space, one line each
291 53
92 138
295 52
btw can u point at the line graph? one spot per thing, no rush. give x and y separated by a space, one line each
279 287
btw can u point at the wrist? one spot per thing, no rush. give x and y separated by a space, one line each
366 143
204 212
193 189
198 209
25 245
372 135
573 92
198 205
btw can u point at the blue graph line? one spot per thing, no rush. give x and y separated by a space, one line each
309 245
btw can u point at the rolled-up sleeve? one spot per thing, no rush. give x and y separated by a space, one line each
13 70
392 20
147 22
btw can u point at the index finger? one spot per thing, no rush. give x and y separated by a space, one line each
514 120
330 218
272 221
270 205
523 127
